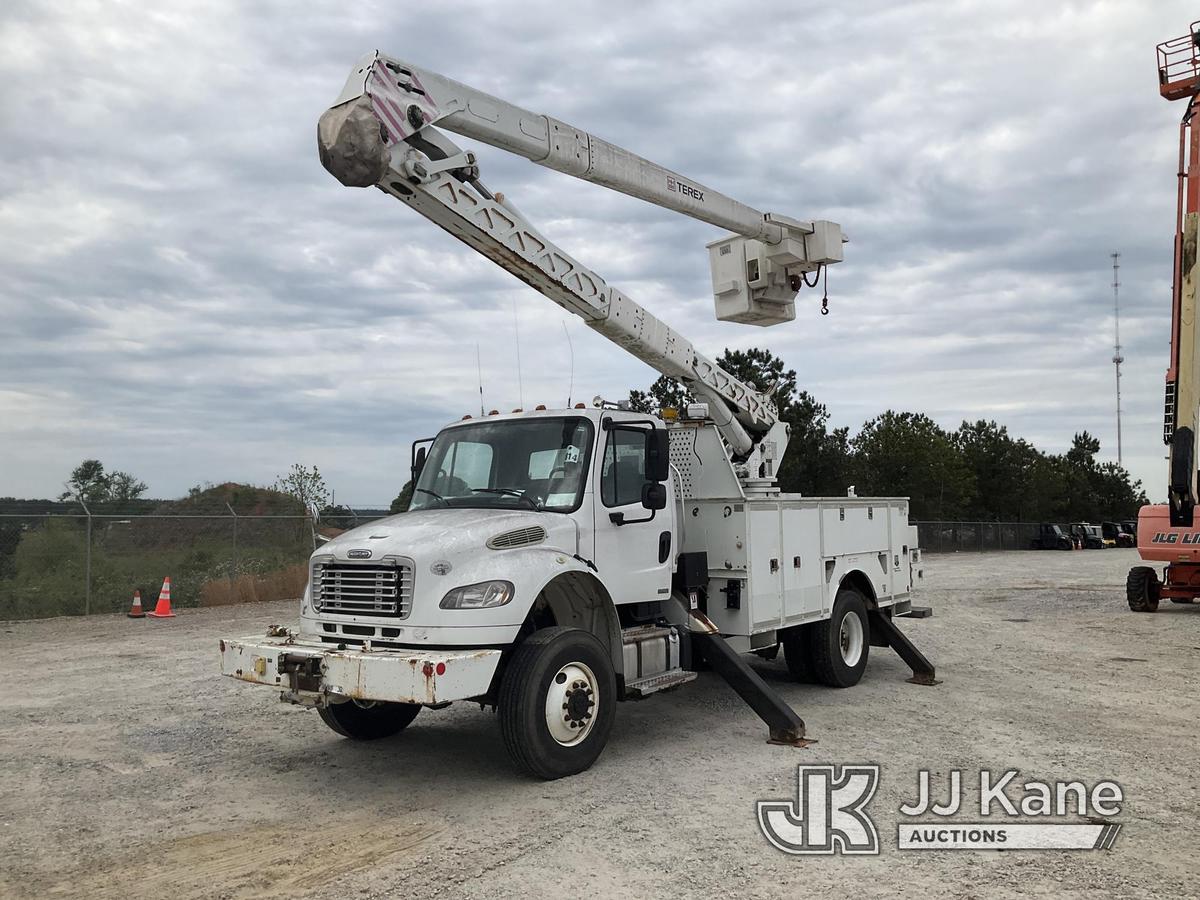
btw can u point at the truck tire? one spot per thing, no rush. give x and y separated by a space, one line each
557 702
362 722
795 652
838 647
1141 589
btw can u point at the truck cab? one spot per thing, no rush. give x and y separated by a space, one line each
503 506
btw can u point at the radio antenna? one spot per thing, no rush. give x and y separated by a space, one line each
571 348
517 335
479 370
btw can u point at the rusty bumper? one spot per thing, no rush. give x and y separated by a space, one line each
314 673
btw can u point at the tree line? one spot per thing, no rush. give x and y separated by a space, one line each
976 472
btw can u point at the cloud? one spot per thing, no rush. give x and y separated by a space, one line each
187 294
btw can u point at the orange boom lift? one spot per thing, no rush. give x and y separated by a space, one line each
1167 533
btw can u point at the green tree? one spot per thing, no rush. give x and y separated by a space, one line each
400 504
1000 467
1119 497
908 455
91 484
665 392
123 487
88 482
306 485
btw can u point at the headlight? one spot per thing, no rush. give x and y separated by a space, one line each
484 595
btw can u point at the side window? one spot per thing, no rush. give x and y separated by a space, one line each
624 470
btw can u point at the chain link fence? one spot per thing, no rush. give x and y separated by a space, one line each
56 564
77 563
955 537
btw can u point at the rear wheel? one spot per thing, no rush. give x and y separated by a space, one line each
368 720
838 647
557 702
1142 589
795 651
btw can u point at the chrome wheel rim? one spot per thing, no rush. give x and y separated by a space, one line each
572 703
850 639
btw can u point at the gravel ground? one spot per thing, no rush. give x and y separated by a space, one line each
130 768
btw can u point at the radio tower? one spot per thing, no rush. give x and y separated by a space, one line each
1117 357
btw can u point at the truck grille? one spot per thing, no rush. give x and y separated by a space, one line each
366 590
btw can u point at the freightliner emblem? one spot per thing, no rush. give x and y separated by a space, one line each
359 554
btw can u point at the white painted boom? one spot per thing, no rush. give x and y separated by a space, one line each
380 132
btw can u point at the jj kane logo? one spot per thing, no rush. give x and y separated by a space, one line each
829 814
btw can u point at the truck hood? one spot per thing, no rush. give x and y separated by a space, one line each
433 534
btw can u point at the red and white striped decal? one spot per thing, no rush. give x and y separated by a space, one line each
391 102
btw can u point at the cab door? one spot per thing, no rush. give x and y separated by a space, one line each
634 559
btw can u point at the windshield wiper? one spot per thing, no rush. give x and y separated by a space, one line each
520 495
434 494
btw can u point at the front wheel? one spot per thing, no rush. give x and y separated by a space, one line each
838 647
557 702
1142 589
368 720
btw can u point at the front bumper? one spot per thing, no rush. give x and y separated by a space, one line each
313 673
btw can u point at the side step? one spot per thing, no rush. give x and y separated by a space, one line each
784 725
644 687
916 612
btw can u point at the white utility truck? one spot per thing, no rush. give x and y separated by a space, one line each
556 561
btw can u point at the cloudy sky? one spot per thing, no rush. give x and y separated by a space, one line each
186 294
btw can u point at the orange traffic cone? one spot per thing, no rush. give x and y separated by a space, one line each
136 611
162 609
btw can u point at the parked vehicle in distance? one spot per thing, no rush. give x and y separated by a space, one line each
1089 535
1130 527
1052 537
1117 534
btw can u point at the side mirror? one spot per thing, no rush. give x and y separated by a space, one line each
654 495
658 459
418 463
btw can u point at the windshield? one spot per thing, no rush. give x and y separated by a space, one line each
511 464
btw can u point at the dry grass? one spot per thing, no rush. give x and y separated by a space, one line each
282 584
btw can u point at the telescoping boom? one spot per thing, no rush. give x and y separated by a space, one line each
385 130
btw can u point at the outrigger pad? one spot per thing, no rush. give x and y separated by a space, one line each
922 669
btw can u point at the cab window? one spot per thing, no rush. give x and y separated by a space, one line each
624 469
